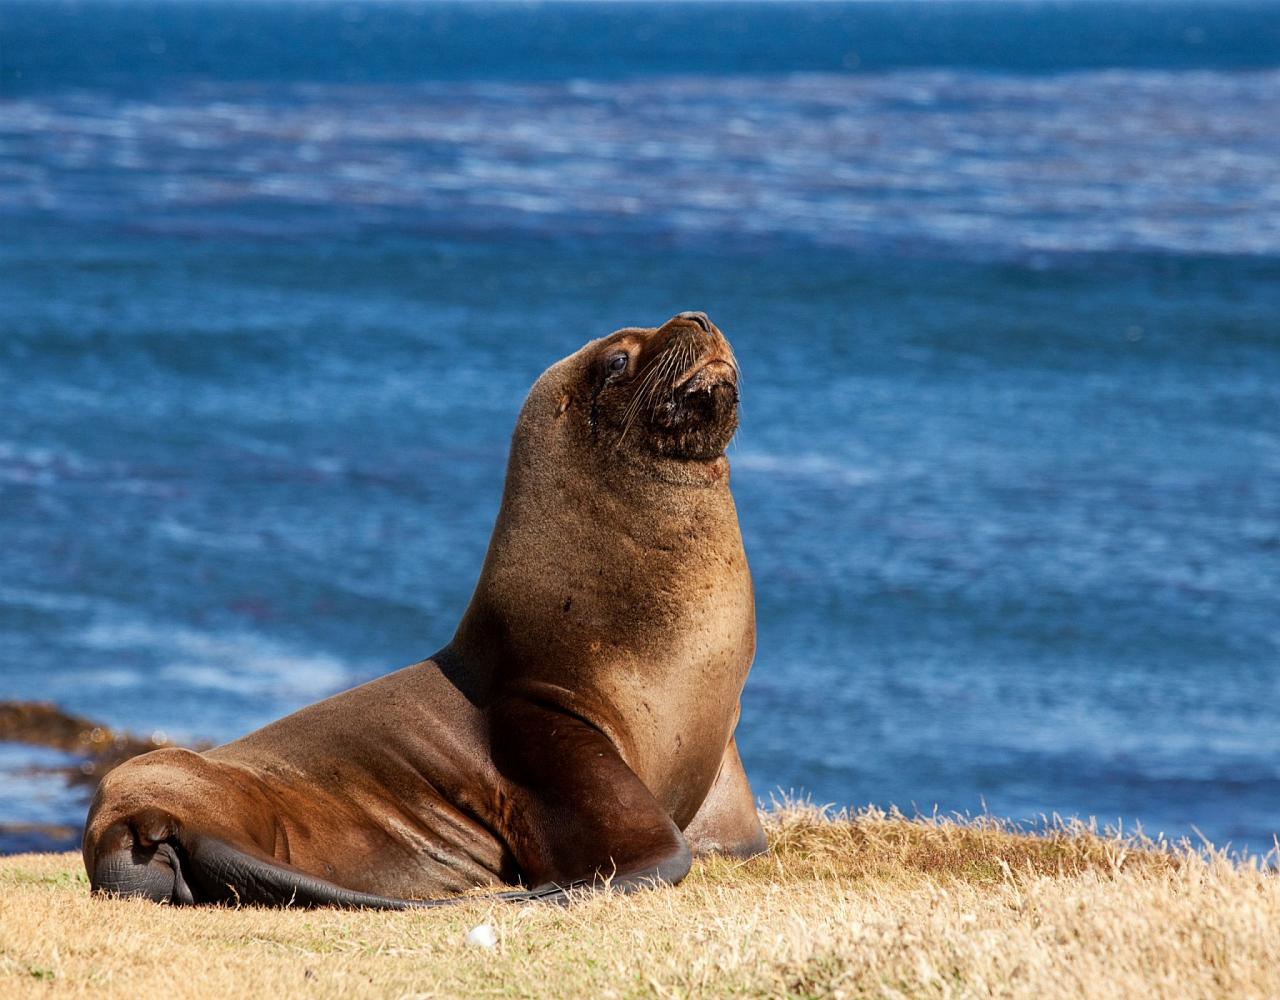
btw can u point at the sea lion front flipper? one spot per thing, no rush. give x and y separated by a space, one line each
727 822
577 815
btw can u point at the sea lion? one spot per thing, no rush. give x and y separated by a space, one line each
579 727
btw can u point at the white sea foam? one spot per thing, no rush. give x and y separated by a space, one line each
31 465
240 662
806 466
40 600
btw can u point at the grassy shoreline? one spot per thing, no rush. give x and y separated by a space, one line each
868 905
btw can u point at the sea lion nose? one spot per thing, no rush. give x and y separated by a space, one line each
697 317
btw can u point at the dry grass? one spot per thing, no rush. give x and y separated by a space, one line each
871 905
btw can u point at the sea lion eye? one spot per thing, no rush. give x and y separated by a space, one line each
617 363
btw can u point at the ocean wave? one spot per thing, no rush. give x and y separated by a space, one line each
1110 160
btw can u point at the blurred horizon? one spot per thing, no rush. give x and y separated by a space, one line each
275 276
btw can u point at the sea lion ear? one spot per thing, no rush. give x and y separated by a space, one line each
564 405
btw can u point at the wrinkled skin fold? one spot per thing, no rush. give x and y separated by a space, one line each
577 730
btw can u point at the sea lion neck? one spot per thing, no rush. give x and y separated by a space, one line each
583 528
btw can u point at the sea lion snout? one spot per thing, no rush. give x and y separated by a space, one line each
698 343
696 322
718 373
700 318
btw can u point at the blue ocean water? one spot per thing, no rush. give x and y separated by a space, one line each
1004 279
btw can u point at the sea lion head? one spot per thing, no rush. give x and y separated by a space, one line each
653 396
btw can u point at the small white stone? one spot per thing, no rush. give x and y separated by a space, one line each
483 936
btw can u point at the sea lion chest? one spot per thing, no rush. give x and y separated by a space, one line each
650 639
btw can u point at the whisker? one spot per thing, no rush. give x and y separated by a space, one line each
657 380
648 381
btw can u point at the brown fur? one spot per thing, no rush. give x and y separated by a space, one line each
579 725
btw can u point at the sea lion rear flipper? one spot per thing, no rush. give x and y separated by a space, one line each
221 873
148 836
579 815
189 868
